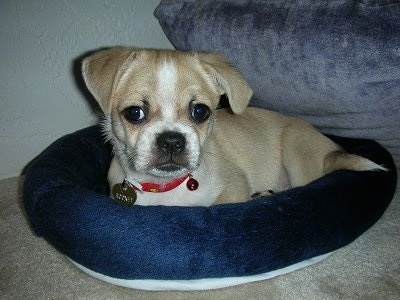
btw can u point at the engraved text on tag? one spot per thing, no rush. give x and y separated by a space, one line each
124 194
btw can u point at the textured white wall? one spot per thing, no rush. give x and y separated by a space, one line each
39 97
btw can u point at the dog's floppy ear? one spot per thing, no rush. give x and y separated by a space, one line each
228 79
101 72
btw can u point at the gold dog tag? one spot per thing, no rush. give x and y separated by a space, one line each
124 193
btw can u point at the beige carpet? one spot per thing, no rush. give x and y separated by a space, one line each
30 268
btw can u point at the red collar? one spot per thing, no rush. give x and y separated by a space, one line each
161 188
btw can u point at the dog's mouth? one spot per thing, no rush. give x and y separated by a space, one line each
170 166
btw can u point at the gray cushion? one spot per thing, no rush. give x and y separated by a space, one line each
335 63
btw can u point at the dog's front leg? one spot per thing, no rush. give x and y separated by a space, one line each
236 189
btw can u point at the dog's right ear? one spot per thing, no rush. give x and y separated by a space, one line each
101 72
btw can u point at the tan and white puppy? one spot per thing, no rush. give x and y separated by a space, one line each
161 117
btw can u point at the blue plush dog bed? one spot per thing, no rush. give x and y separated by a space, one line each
65 197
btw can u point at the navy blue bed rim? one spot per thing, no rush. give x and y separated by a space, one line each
65 197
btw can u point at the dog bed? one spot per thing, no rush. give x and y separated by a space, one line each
194 248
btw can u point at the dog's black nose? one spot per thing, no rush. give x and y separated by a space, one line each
171 142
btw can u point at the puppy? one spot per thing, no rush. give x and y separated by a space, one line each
172 146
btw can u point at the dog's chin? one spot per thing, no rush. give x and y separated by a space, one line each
169 170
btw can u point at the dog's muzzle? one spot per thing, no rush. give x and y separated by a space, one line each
171 154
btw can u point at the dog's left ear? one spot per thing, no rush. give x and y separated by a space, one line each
228 80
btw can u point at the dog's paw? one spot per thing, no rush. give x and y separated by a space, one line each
266 193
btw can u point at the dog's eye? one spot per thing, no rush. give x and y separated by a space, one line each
134 114
200 112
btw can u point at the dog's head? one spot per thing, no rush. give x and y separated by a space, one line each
159 105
